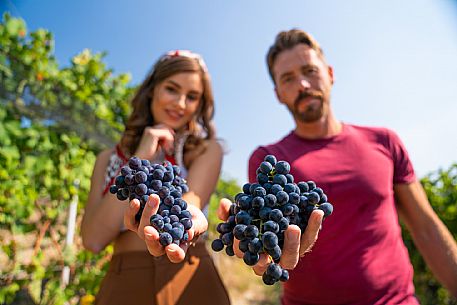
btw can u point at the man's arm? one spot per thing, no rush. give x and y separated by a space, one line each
430 235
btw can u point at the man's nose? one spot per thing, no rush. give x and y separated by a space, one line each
304 83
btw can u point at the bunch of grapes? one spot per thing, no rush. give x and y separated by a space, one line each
264 210
139 179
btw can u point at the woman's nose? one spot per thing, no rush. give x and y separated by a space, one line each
181 101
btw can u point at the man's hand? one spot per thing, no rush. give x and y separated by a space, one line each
150 235
295 244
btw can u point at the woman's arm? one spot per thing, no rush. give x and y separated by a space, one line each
103 214
203 175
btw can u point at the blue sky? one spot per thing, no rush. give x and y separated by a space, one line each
394 61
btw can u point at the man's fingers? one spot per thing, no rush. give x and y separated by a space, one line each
224 209
129 215
291 248
309 237
151 237
236 248
262 264
150 208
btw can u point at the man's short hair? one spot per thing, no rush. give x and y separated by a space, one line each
287 40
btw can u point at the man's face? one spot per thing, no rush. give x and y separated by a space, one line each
303 83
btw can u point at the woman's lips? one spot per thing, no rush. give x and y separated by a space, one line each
174 114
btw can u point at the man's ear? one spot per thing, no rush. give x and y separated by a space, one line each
330 73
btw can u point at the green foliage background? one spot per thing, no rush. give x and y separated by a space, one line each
53 122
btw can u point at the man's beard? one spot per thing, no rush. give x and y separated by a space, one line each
313 112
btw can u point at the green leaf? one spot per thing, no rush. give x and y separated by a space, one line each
16 27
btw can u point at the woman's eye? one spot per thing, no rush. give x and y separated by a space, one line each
171 89
192 97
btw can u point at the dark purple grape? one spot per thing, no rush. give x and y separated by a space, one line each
311 185
274 270
134 163
120 181
282 167
313 197
244 244
229 251
266 167
187 223
238 231
250 258
255 245
327 207
141 177
246 188
125 170
251 231
268 280
217 245
303 186
165 239
279 179
284 276
141 189
271 159
113 189
269 240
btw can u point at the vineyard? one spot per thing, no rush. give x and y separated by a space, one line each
54 119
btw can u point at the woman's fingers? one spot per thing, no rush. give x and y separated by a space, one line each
152 138
151 237
175 253
129 215
150 208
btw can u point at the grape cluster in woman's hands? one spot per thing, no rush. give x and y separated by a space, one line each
264 210
139 179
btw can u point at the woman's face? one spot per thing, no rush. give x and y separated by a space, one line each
176 99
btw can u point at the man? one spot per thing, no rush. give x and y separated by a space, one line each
359 257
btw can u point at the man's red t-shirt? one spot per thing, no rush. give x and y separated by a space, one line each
359 257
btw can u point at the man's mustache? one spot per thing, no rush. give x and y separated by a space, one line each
307 94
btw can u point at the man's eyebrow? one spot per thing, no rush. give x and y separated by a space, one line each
285 74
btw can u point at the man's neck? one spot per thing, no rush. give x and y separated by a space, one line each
326 127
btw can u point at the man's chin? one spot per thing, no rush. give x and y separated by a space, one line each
309 117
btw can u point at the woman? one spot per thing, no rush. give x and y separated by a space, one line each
171 120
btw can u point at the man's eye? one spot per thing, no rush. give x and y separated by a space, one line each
287 79
312 71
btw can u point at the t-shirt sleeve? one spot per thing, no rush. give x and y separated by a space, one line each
254 161
403 167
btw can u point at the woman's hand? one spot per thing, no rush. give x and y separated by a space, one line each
150 235
153 138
